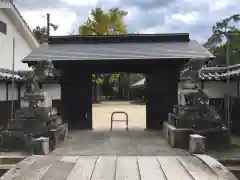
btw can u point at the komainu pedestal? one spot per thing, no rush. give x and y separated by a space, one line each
196 117
36 119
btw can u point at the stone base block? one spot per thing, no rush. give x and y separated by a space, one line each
57 135
171 119
197 144
41 98
63 132
42 114
15 140
41 146
27 125
165 129
178 138
216 138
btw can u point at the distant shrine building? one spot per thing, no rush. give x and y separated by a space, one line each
160 56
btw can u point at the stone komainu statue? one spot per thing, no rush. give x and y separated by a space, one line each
199 111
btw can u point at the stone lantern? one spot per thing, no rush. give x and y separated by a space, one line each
48 69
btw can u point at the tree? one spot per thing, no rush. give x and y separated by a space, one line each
223 32
40 34
234 50
102 22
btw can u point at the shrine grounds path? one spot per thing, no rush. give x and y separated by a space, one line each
136 141
119 142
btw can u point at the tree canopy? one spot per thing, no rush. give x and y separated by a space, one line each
40 34
102 22
224 42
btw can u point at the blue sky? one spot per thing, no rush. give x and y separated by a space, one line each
144 16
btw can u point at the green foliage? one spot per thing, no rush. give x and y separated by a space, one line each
224 42
40 34
102 22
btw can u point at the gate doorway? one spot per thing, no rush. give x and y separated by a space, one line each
102 114
115 104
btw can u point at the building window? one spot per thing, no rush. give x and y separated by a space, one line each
3 27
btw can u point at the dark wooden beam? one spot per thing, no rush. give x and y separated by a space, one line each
238 87
124 38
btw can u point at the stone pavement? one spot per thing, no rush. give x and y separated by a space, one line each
118 142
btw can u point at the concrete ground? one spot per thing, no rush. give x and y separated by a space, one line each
118 142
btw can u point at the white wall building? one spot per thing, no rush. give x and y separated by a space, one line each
13 26
215 89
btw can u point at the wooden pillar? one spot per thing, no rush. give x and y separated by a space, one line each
76 96
238 87
161 94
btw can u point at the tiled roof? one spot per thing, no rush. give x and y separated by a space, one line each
219 73
119 50
6 75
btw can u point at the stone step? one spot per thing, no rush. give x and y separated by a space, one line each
26 124
39 113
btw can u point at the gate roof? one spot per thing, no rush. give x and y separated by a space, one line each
119 47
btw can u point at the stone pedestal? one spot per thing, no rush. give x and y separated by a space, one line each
183 122
36 118
42 99
197 144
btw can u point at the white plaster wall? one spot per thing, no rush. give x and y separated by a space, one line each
219 89
22 48
53 89
2 91
215 89
15 92
22 90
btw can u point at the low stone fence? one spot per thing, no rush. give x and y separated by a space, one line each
234 110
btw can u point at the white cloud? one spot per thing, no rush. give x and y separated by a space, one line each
186 18
220 4
62 17
80 2
92 3
144 16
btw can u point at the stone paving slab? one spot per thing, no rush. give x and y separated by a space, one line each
117 142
